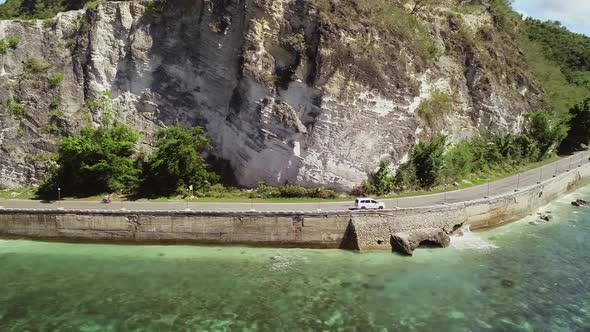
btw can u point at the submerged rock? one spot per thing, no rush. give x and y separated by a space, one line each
406 242
546 218
580 203
507 283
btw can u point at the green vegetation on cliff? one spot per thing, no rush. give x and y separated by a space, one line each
42 9
569 50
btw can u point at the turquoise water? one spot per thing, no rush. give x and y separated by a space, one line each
517 278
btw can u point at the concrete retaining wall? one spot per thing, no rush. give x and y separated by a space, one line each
333 229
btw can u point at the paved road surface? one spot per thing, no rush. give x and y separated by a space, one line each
503 186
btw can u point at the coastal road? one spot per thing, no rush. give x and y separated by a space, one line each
510 184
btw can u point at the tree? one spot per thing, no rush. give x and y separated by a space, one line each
579 123
97 161
43 9
428 160
382 181
548 129
177 162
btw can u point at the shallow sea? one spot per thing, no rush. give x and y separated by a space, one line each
520 277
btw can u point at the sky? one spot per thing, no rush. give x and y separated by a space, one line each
574 14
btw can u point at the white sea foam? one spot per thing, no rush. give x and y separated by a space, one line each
471 241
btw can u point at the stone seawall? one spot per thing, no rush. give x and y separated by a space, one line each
330 229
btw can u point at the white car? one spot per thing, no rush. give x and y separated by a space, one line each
366 203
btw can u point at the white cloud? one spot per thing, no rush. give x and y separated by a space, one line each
574 14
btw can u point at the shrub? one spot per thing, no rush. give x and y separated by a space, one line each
382 181
579 133
412 30
35 66
264 191
549 129
16 108
428 161
57 114
405 178
3 47
56 80
292 191
102 105
13 42
361 190
295 42
55 103
433 109
10 43
323 193
93 4
99 160
460 160
154 7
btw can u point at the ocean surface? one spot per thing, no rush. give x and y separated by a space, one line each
520 277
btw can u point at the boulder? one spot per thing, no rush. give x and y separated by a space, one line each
406 242
546 218
580 203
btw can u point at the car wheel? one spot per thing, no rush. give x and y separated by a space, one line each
364 208
380 208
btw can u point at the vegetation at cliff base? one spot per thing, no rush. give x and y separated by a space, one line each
435 162
579 134
99 160
106 160
177 163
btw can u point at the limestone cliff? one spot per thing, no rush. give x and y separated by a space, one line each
314 92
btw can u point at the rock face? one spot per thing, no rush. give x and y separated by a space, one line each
406 242
289 91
